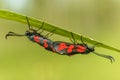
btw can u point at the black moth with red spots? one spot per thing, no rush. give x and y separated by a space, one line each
69 48
60 47
73 48
34 36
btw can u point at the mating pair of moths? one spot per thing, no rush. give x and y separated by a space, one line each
60 47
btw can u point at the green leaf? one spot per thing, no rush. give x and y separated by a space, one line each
48 27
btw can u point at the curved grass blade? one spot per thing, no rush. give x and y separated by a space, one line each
48 27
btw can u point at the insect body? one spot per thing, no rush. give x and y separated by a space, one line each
34 36
69 49
41 40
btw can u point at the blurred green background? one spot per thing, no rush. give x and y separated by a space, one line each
20 59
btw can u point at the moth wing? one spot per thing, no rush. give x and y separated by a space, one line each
60 47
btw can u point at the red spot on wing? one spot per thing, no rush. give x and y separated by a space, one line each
61 46
45 43
81 49
70 48
36 39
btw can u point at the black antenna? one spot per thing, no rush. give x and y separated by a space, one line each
12 34
105 56
101 55
15 34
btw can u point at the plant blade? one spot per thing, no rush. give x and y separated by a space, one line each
48 27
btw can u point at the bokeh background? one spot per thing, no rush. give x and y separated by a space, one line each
21 59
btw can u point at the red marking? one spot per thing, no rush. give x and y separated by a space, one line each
81 49
62 46
36 39
70 48
45 43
